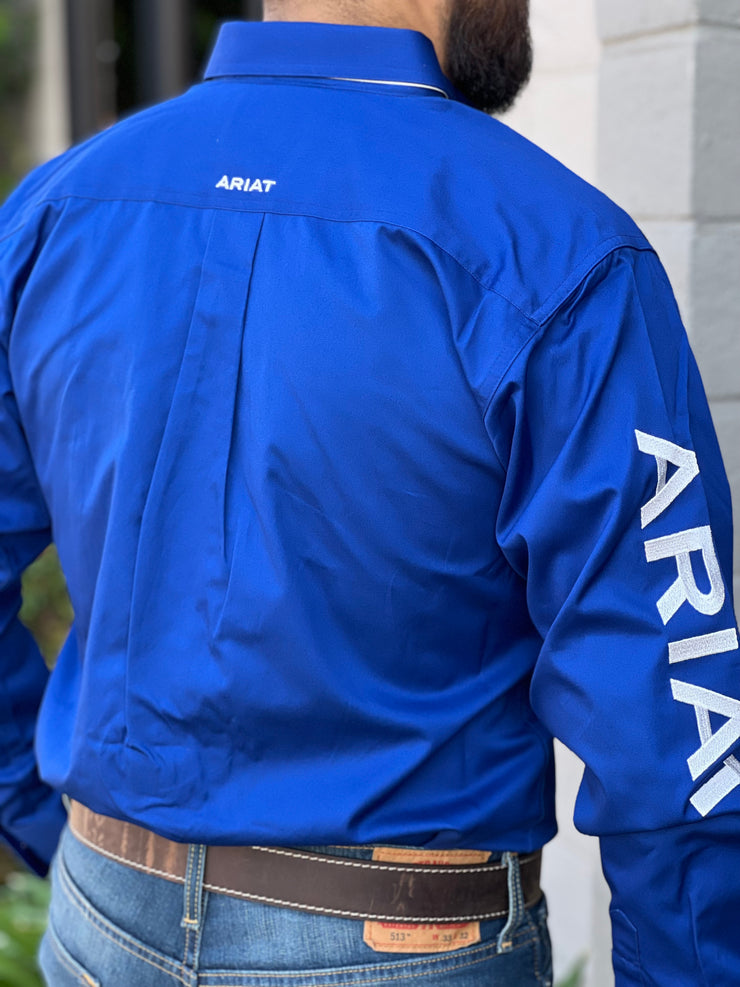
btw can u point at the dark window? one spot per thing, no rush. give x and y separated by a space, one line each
125 54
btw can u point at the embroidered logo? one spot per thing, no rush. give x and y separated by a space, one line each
686 548
237 184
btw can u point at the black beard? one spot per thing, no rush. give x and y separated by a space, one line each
489 51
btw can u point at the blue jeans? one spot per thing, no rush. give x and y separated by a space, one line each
114 926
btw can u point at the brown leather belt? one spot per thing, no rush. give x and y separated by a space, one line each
343 886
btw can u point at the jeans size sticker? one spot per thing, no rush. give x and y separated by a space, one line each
436 937
406 937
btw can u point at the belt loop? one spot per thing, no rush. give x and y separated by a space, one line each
516 901
192 902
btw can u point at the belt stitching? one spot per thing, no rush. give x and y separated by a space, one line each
427 919
288 904
124 860
448 871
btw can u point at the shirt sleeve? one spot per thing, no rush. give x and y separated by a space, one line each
31 813
616 511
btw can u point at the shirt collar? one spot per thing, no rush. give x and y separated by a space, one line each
380 55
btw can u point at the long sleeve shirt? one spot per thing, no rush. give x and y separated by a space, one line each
376 456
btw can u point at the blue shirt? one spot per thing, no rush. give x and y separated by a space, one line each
375 455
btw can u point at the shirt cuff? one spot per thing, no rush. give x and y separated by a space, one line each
35 837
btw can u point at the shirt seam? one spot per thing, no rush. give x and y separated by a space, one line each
268 212
597 254
543 325
538 320
16 229
569 284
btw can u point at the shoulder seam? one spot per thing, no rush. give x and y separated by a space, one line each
296 212
561 296
10 233
634 241
537 318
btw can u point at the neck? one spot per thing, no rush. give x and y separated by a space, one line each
416 15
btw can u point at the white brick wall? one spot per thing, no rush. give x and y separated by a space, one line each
644 131
634 18
714 314
558 110
49 119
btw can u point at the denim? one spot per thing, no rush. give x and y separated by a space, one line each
114 926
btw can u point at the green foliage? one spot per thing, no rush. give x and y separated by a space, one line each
24 902
46 611
576 975
17 33
16 38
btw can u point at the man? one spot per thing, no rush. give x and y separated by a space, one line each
375 455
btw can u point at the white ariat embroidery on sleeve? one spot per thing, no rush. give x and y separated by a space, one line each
684 589
718 787
727 778
714 746
666 490
702 646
